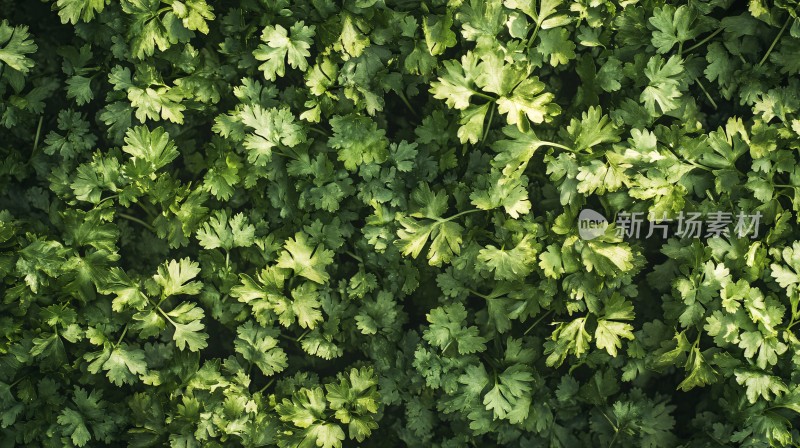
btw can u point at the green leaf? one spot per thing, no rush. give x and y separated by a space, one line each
514 264
15 45
550 262
610 331
700 372
528 101
516 150
272 128
220 231
768 348
80 88
358 141
509 193
71 11
306 260
152 147
187 320
448 328
281 46
760 384
260 346
456 86
438 35
74 427
664 86
607 258
510 396
445 239
306 304
147 30
194 14
125 365
592 129
174 278
673 26
556 44
567 338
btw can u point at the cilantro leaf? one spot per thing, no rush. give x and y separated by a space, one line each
528 101
358 141
664 86
514 264
306 260
15 45
71 11
174 278
259 346
281 46
226 232
186 319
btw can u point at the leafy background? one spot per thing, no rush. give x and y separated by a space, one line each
262 223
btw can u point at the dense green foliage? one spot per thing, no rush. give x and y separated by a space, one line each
316 223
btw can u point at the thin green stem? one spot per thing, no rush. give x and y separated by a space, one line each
158 305
137 220
536 322
558 145
533 36
489 123
447 346
163 313
318 131
405 101
458 215
476 293
492 363
484 96
714 439
609 420
124 331
36 139
300 338
282 154
793 320
695 164
775 41
697 341
108 198
266 386
17 381
151 213
773 408
613 439
706 39
297 339
702 87
354 256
